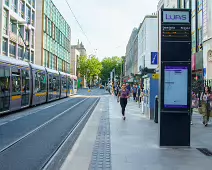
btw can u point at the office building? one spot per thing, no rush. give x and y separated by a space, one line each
148 43
75 54
53 34
132 54
17 29
207 38
201 30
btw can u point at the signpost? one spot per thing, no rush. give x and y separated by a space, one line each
175 77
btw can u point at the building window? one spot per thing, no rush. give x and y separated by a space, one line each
20 52
53 31
44 23
27 55
12 49
13 27
32 57
4 46
33 3
193 43
55 62
5 22
21 9
6 2
14 5
27 36
187 4
33 18
49 27
32 38
28 13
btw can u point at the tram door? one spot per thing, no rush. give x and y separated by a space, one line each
16 88
25 87
4 88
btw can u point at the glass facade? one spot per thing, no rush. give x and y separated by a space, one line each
17 40
56 49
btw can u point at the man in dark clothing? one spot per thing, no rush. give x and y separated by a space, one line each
134 90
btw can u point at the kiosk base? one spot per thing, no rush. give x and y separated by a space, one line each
174 129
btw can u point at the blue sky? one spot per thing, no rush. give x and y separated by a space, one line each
108 24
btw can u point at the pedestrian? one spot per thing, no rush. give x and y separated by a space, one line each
134 90
138 93
194 98
124 94
206 98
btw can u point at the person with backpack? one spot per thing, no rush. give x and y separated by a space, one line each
124 94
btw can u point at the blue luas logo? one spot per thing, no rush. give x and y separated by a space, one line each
175 17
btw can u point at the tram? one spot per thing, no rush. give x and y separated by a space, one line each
24 84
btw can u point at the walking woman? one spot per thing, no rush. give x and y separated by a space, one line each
205 104
124 94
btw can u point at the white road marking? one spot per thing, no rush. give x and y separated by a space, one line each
39 109
39 127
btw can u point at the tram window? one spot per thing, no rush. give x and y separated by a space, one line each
50 83
64 84
68 83
40 82
4 80
16 81
25 80
56 83
75 84
71 84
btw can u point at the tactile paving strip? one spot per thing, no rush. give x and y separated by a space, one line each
101 157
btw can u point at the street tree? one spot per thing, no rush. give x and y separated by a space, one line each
89 67
82 65
108 64
94 67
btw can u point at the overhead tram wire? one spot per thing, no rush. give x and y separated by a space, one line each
78 22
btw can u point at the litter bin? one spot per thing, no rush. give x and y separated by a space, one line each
156 110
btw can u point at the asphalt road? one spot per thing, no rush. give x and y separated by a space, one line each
27 143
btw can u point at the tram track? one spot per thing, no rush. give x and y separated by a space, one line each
39 127
10 117
50 162
49 136
15 130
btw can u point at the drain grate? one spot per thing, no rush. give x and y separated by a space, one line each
205 151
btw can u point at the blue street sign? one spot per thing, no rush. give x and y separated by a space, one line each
204 72
154 58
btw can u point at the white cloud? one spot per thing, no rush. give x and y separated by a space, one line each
108 24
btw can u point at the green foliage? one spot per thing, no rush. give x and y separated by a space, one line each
82 65
108 64
89 67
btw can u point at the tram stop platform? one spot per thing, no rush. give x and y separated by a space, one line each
107 142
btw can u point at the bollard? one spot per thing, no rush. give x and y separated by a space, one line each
156 110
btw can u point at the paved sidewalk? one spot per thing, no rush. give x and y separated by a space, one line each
107 142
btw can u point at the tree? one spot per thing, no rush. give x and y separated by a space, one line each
108 64
82 65
94 67
89 67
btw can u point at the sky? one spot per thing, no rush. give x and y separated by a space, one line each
107 24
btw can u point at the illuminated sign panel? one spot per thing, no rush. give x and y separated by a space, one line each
176 32
176 17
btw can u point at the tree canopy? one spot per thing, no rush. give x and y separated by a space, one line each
108 64
89 67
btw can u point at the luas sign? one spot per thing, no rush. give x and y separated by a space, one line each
176 17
